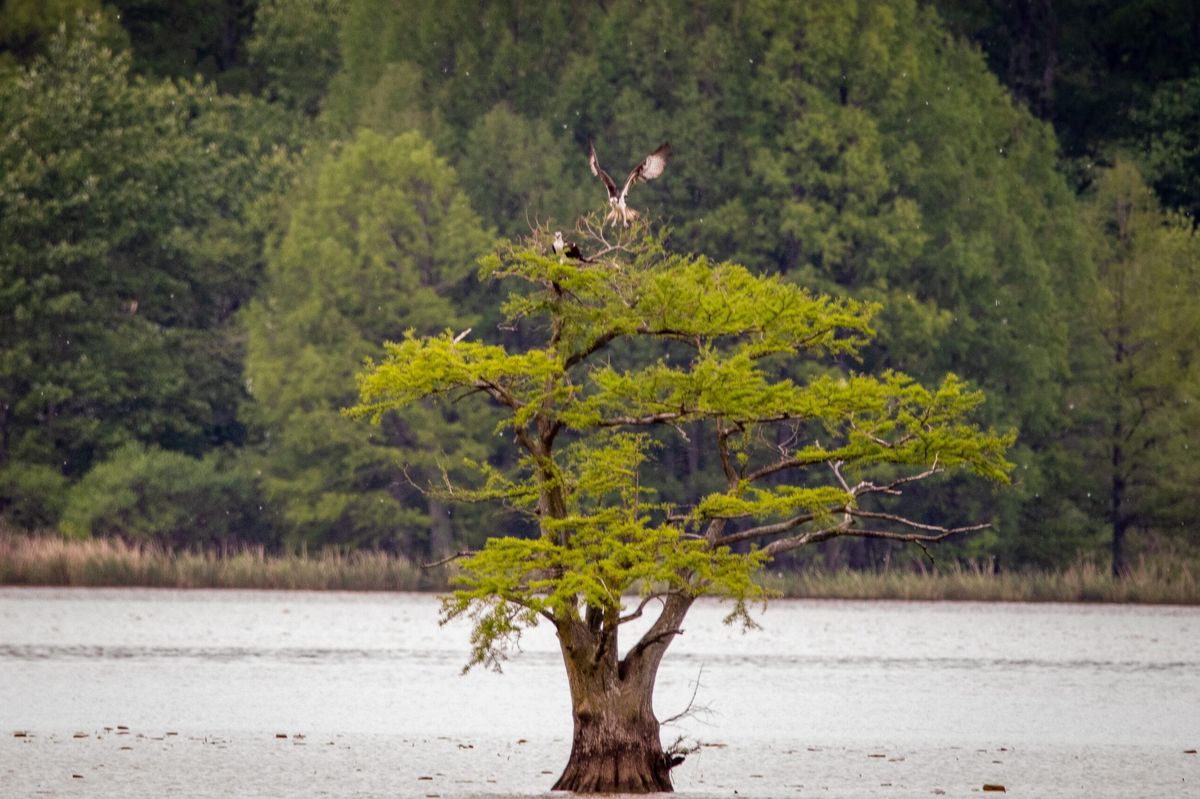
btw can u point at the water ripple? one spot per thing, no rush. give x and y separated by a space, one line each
42 652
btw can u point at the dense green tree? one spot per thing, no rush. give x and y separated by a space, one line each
295 47
383 241
125 247
514 168
27 26
1083 65
168 498
712 340
190 38
1140 393
1167 137
854 147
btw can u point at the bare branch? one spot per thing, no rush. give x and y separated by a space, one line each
654 418
637 613
932 528
892 488
465 553
687 711
787 544
765 530
797 541
650 640
723 434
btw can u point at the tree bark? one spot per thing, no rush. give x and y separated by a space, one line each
441 533
1117 514
616 746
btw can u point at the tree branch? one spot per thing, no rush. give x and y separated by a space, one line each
687 711
866 487
650 640
465 553
788 544
932 528
499 393
637 613
599 343
765 530
654 418
610 335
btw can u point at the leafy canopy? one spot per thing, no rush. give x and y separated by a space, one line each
636 339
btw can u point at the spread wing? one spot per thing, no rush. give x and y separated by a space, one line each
600 173
649 169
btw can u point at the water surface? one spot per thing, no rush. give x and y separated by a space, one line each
238 693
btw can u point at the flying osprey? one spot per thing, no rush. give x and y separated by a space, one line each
568 248
649 169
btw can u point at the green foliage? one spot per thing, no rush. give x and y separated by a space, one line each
168 498
124 249
295 45
724 330
858 149
853 148
190 38
1139 391
382 241
27 26
1168 136
32 495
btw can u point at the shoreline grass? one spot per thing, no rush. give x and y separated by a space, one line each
98 562
1149 582
48 560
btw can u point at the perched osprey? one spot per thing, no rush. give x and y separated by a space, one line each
649 169
568 248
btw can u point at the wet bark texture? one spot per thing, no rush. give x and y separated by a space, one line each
616 746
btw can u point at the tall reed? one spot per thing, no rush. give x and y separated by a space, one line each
1161 581
50 560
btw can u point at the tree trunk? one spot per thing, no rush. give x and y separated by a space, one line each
441 532
1116 510
1117 516
616 746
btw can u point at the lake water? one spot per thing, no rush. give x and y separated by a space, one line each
151 693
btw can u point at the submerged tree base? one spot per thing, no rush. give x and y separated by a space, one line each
629 769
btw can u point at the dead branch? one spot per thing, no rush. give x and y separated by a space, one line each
764 530
654 418
788 544
637 613
650 641
464 553
932 528
687 711
892 488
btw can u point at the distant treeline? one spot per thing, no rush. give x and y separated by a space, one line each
30 560
212 211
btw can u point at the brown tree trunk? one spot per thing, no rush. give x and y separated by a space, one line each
1117 514
616 746
441 532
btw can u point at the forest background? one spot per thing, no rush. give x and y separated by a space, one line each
211 211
